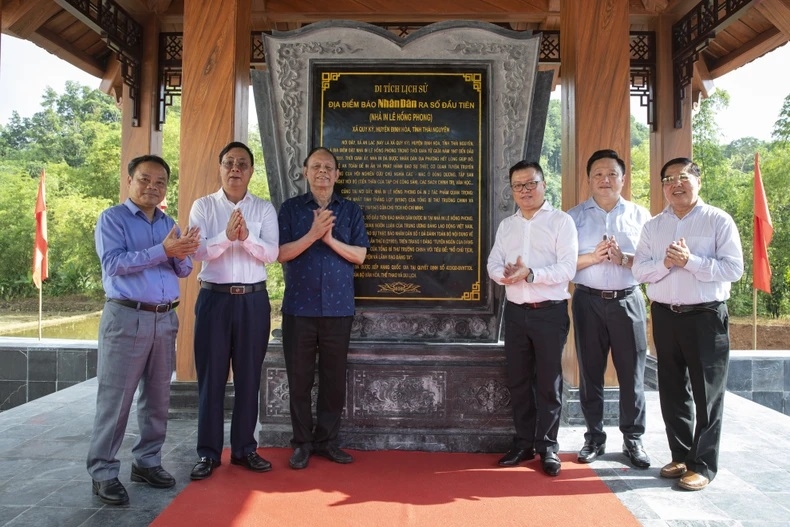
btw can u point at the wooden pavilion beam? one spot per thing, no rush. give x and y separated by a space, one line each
778 13
23 19
754 49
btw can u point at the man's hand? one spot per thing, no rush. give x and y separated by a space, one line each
515 272
601 251
237 227
181 247
615 254
677 254
323 222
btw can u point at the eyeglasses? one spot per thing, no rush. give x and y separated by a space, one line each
683 177
529 185
229 164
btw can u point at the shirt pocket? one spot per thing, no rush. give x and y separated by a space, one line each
627 239
255 228
701 245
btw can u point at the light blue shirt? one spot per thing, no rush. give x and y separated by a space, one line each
716 256
624 222
133 261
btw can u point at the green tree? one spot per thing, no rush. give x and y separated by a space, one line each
781 132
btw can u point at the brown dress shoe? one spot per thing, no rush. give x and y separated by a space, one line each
693 481
674 469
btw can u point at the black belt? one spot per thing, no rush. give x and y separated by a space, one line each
607 295
142 306
234 289
538 305
690 308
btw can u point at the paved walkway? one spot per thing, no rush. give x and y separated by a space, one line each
43 481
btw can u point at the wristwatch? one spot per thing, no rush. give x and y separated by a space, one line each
624 261
530 277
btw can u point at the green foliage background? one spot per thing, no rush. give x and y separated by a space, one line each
76 136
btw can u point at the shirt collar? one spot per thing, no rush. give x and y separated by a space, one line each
307 197
135 209
590 203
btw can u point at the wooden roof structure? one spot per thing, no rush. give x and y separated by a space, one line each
710 37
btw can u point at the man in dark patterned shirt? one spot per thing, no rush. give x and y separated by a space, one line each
322 238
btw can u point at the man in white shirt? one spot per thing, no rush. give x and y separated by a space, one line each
534 257
608 307
239 235
688 255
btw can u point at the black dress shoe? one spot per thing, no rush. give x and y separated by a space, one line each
636 453
300 457
204 468
111 492
252 461
590 451
155 476
515 456
332 453
550 463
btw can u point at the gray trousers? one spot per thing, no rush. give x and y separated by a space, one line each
136 348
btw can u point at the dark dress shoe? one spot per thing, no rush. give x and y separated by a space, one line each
155 476
590 451
300 457
636 453
550 463
332 453
111 492
252 461
515 456
204 468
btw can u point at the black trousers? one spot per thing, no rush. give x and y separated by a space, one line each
693 351
303 338
534 339
230 330
618 324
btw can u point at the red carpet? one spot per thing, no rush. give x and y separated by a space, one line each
397 488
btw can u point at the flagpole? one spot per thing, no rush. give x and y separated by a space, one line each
754 318
40 304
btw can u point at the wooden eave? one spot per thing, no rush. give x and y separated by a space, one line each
763 25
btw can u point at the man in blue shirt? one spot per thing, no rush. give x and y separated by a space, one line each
608 307
142 257
322 238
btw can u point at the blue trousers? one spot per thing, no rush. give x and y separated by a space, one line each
231 332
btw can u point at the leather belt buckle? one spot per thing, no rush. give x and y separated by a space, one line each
161 308
237 290
676 308
609 295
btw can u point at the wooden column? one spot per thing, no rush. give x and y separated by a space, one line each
145 138
215 98
594 46
667 142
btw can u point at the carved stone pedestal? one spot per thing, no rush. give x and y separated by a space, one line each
411 397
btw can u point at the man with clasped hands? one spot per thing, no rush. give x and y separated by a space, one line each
688 255
534 257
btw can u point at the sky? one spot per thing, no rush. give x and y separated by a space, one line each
757 90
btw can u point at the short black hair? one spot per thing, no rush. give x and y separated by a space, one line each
236 144
325 149
687 163
134 163
605 154
523 165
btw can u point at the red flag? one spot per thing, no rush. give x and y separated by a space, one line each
40 248
763 232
